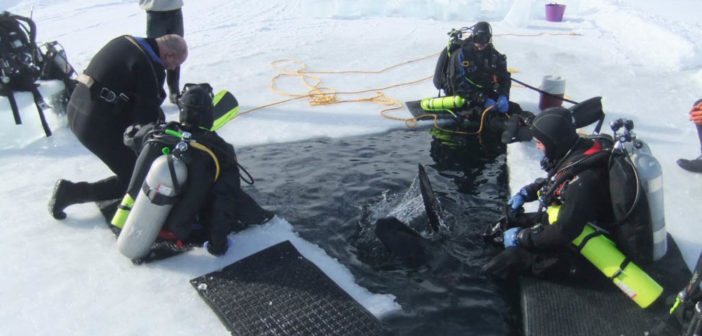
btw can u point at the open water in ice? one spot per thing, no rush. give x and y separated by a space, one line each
334 190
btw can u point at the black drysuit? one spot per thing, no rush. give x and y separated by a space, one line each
123 68
477 74
583 198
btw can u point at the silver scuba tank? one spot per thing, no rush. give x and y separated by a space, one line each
651 176
159 192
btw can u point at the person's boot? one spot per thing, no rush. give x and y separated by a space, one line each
63 196
67 193
694 166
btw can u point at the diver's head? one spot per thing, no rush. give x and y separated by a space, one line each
482 34
555 132
195 104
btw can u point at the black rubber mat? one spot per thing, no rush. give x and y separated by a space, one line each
597 307
279 292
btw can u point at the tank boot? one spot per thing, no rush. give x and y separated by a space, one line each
63 195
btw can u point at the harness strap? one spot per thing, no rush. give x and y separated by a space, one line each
623 265
156 197
587 239
101 91
39 102
13 105
174 177
149 58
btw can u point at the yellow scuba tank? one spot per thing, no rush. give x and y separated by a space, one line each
604 255
442 103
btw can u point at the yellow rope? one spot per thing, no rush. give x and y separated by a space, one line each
324 96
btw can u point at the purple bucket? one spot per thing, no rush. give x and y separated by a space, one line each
554 12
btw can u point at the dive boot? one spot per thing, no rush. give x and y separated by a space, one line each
694 166
60 198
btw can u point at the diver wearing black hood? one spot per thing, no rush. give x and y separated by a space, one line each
577 182
212 194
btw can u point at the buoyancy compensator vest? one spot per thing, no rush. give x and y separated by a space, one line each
441 79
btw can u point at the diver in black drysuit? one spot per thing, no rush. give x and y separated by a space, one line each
216 203
532 245
477 72
122 85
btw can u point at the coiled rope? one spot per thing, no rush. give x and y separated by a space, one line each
318 95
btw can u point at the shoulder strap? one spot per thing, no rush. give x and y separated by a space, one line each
13 105
586 162
148 58
39 102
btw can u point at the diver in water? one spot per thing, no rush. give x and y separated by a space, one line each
212 204
477 72
537 243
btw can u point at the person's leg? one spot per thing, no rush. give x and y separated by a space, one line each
162 23
511 263
103 137
174 26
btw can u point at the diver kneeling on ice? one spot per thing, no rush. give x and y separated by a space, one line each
204 202
580 211
474 74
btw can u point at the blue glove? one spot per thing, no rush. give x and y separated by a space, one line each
510 237
502 104
206 246
489 102
517 200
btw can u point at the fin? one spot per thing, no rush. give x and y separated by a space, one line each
225 108
402 241
431 204
587 112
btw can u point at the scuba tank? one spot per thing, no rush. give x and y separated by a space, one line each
442 103
650 176
158 142
159 192
605 256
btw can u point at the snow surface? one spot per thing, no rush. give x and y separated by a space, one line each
67 278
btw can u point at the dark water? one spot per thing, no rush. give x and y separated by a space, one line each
333 191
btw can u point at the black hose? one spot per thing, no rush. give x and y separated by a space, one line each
544 92
250 181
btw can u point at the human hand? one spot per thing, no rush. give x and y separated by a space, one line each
510 237
489 102
517 200
696 114
502 104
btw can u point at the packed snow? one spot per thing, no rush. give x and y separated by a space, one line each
67 278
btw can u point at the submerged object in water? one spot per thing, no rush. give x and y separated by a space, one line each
402 241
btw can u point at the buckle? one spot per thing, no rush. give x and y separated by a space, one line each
107 95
